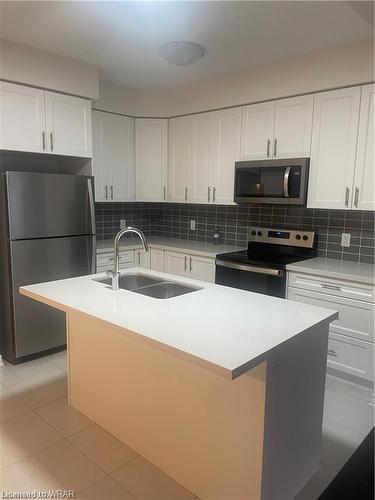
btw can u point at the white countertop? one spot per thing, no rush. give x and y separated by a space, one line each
191 246
334 268
226 330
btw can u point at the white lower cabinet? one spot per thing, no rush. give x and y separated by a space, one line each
193 266
157 259
142 259
351 336
104 261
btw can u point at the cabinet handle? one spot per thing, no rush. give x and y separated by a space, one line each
185 263
347 192
213 194
164 193
356 197
139 259
44 140
268 147
106 192
111 192
208 194
275 147
332 352
331 287
190 264
186 193
51 139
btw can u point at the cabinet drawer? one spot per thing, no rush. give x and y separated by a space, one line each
351 356
106 259
356 318
331 286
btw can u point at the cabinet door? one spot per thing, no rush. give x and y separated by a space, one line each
202 163
333 148
227 151
351 356
257 130
68 125
364 194
151 155
179 158
293 124
22 118
142 259
202 268
119 146
99 167
157 259
175 263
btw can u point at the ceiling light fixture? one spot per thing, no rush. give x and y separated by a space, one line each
181 53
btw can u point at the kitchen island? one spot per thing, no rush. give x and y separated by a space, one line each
222 389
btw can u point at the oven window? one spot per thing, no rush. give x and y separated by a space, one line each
253 282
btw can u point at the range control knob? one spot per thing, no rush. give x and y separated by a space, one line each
260 233
298 236
305 237
253 233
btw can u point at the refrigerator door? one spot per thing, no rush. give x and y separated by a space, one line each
38 327
49 205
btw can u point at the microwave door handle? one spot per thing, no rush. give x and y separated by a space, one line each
286 181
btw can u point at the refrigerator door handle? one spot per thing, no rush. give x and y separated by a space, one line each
93 254
92 206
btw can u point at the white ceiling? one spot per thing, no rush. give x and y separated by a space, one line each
122 38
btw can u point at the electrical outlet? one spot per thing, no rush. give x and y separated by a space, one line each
192 225
345 239
122 223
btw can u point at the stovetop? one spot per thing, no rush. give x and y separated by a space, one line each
274 248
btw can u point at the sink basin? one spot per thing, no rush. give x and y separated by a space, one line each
166 290
132 281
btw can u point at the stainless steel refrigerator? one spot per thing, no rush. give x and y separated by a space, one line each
47 232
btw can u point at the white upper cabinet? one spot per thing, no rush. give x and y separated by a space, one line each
364 179
22 118
151 159
333 148
113 160
293 125
99 166
202 163
68 122
257 130
226 152
180 140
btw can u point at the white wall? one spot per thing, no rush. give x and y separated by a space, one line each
116 98
22 64
320 70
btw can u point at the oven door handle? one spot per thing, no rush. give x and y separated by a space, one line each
286 181
250 269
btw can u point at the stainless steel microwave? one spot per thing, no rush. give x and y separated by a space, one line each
281 181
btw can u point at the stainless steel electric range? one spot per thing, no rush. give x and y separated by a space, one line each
261 268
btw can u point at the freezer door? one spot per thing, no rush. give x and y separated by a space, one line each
38 327
49 205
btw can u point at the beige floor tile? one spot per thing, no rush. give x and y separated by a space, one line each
10 405
60 466
105 489
64 418
11 375
102 448
41 390
23 435
145 481
59 360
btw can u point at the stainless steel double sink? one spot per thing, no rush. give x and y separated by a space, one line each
157 288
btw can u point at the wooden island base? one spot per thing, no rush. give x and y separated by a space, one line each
254 437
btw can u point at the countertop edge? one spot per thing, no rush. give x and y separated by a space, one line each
341 275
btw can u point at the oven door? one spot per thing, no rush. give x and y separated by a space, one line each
252 278
272 181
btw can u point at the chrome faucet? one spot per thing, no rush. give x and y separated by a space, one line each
115 272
